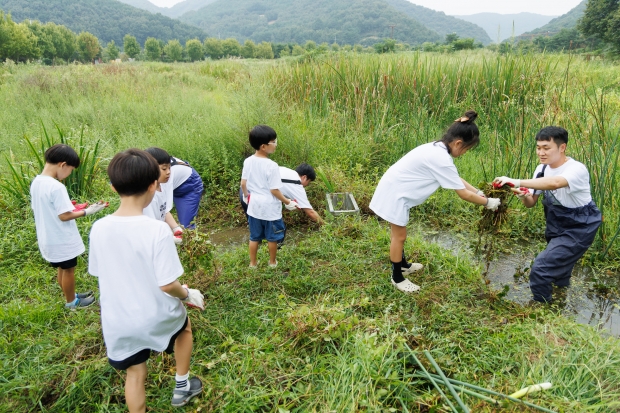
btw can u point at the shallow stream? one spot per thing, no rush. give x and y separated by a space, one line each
584 300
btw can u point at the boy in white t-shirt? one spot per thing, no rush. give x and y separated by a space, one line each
141 300
572 218
260 184
414 178
54 216
161 205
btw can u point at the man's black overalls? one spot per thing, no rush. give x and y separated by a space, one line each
569 234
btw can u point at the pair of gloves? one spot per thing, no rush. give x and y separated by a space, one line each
90 210
515 185
492 203
194 298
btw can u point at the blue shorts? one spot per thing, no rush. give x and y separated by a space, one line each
272 231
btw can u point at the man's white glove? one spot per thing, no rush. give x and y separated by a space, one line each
194 298
492 203
94 208
291 206
480 193
504 180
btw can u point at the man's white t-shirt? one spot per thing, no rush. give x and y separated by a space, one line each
133 257
577 193
412 179
162 201
58 241
179 174
262 175
296 192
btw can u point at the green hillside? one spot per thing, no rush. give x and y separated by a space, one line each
506 26
565 21
440 22
174 11
106 19
145 5
342 21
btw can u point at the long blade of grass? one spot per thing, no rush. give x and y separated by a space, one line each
445 379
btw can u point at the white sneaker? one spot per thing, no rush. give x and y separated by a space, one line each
406 286
415 267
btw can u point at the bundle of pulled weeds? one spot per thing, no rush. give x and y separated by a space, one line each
491 221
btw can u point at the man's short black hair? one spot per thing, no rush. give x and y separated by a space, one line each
62 153
305 169
557 134
161 156
262 135
132 171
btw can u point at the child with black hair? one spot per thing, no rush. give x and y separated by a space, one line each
137 266
161 205
260 185
54 216
572 217
414 178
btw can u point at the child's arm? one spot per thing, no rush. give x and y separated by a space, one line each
189 296
171 222
312 214
244 187
68 216
278 194
469 196
472 188
175 289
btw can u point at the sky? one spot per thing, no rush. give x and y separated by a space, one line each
459 7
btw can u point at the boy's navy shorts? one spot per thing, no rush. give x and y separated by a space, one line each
65 265
143 355
272 231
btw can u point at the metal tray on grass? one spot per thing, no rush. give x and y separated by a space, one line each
342 203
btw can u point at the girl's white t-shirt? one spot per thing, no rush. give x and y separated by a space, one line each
58 240
294 191
262 175
133 257
577 193
179 174
162 201
413 179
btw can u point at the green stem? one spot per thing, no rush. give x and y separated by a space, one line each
445 379
432 380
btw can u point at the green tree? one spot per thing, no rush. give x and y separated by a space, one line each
65 41
152 49
131 47
112 51
213 48
17 42
463 44
388 46
88 46
249 49
602 19
297 50
231 47
173 50
310 45
194 50
264 51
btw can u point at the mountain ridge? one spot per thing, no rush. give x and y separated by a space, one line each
501 25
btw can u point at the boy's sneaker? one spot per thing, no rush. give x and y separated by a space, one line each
80 303
84 295
182 397
273 265
413 267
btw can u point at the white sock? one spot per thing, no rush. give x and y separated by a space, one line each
182 382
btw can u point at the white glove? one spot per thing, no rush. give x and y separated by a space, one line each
521 192
177 240
480 193
246 199
177 230
194 298
492 203
291 206
504 180
94 208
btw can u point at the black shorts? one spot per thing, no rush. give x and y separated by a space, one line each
143 355
65 265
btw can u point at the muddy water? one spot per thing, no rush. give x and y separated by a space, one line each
580 300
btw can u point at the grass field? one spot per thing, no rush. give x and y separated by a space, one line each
325 331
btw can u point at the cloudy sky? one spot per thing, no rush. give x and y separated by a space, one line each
458 7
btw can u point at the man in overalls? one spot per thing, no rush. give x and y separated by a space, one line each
572 217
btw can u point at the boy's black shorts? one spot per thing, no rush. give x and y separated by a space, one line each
65 265
143 355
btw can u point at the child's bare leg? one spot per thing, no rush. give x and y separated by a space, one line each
66 279
183 349
273 250
253 251
397 243
135 394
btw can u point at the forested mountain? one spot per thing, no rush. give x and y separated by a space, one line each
106 19
174 11
439 22
565 21
502 24
341 21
